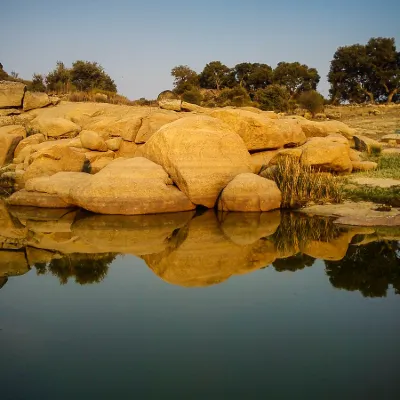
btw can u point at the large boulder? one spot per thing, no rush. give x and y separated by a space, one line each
364 143
34 100
55 127
152 123
326 155
28 141
55 159
260 132
36 199
170 104
128 187
250 192
11 94
262 158
200 154
10 136
92 141
325 128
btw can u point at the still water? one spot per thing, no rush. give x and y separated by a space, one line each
205 306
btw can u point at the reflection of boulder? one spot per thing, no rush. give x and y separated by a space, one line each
138 235
13 263
247 228
40 256
3 281
371 269
205 256
12 233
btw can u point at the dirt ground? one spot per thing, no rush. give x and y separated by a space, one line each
372 121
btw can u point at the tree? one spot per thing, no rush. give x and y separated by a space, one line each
184 78
192 96
296 77
273 97
312 101
237 97
215 75
253 76
37 84
86 75
384 61
59 79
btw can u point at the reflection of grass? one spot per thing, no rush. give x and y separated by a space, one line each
300 184
295 230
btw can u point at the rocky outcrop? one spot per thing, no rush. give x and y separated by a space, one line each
55 127
250 193
130 186
11 94
260 132
10 137
200 154
34 100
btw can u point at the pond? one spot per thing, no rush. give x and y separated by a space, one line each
196 306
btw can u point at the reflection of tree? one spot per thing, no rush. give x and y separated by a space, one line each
3 281
85 268
293 263
370 269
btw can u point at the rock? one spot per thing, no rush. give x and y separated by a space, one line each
127 149
34 100
167 95
55 159
36 199
260 132
55 127
99 164
393 151
129 187
364 165
326 155
76 142
28 141
54 100
170 104
152 123
325 128
355 155
59 184
5 112
13 263
394 138
10 136
364 143
189 107
11 94
320 116
376 182
93 156
262 158
114 144
250 192
280 154
92 140
200 154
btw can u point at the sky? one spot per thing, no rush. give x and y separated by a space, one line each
139 42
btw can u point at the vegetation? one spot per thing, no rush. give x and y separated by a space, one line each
300 184
312 101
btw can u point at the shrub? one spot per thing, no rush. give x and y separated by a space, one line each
300 184
312 101
192 96
273 98
236 96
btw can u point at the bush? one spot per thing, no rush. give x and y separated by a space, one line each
193 96
300 184
237 97
312 101
273 98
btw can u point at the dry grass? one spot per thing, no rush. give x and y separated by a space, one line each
301 185
99 96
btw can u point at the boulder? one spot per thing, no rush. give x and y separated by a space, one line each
99 164
10 136
364 165
364 143
326 155
55 159
152 123
200 154
354 155
11 94
393 151
260 132
391 138
92 141
170 104
189 107
280 154
262 158
93 156
250 192
325 128
127 149
129 187
114 144
55 127
28 141
36 199
5 112
34 100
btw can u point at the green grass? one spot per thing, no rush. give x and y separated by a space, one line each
388 167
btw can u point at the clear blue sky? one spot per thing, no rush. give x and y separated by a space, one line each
138 42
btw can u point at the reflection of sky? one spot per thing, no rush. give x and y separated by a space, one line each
139 42
133 336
